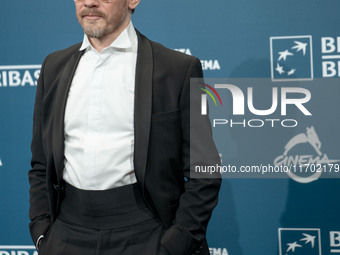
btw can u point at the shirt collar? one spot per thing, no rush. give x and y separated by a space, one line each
126 40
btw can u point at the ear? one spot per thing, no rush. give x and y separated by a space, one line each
133 4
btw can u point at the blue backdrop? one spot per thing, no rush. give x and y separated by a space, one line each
234 39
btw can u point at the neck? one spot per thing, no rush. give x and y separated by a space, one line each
100 43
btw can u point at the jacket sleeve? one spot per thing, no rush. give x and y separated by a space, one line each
187 234
39 209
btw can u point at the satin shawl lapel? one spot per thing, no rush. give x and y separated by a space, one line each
143 106
59 110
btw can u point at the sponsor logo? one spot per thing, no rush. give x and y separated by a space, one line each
330 50
306 241
291 58
17 250
218 251
19 75
208 64
306 168
300 241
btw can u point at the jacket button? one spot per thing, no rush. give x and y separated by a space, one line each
56 186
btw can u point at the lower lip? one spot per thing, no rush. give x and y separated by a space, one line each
92 17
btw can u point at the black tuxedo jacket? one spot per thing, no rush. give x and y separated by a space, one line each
162 144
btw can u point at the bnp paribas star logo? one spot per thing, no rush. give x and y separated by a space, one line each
291 58
299 241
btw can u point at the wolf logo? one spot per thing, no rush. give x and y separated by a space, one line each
311 137
299 161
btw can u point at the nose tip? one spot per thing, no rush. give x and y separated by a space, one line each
91 3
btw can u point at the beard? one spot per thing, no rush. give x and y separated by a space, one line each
93 32
102 27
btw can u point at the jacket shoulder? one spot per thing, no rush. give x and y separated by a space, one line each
166 55
57 59
162 52
65 52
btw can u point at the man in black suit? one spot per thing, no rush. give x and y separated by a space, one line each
121 184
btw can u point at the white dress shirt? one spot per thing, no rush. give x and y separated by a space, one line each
99 117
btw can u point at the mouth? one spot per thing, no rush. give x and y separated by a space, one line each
90 15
